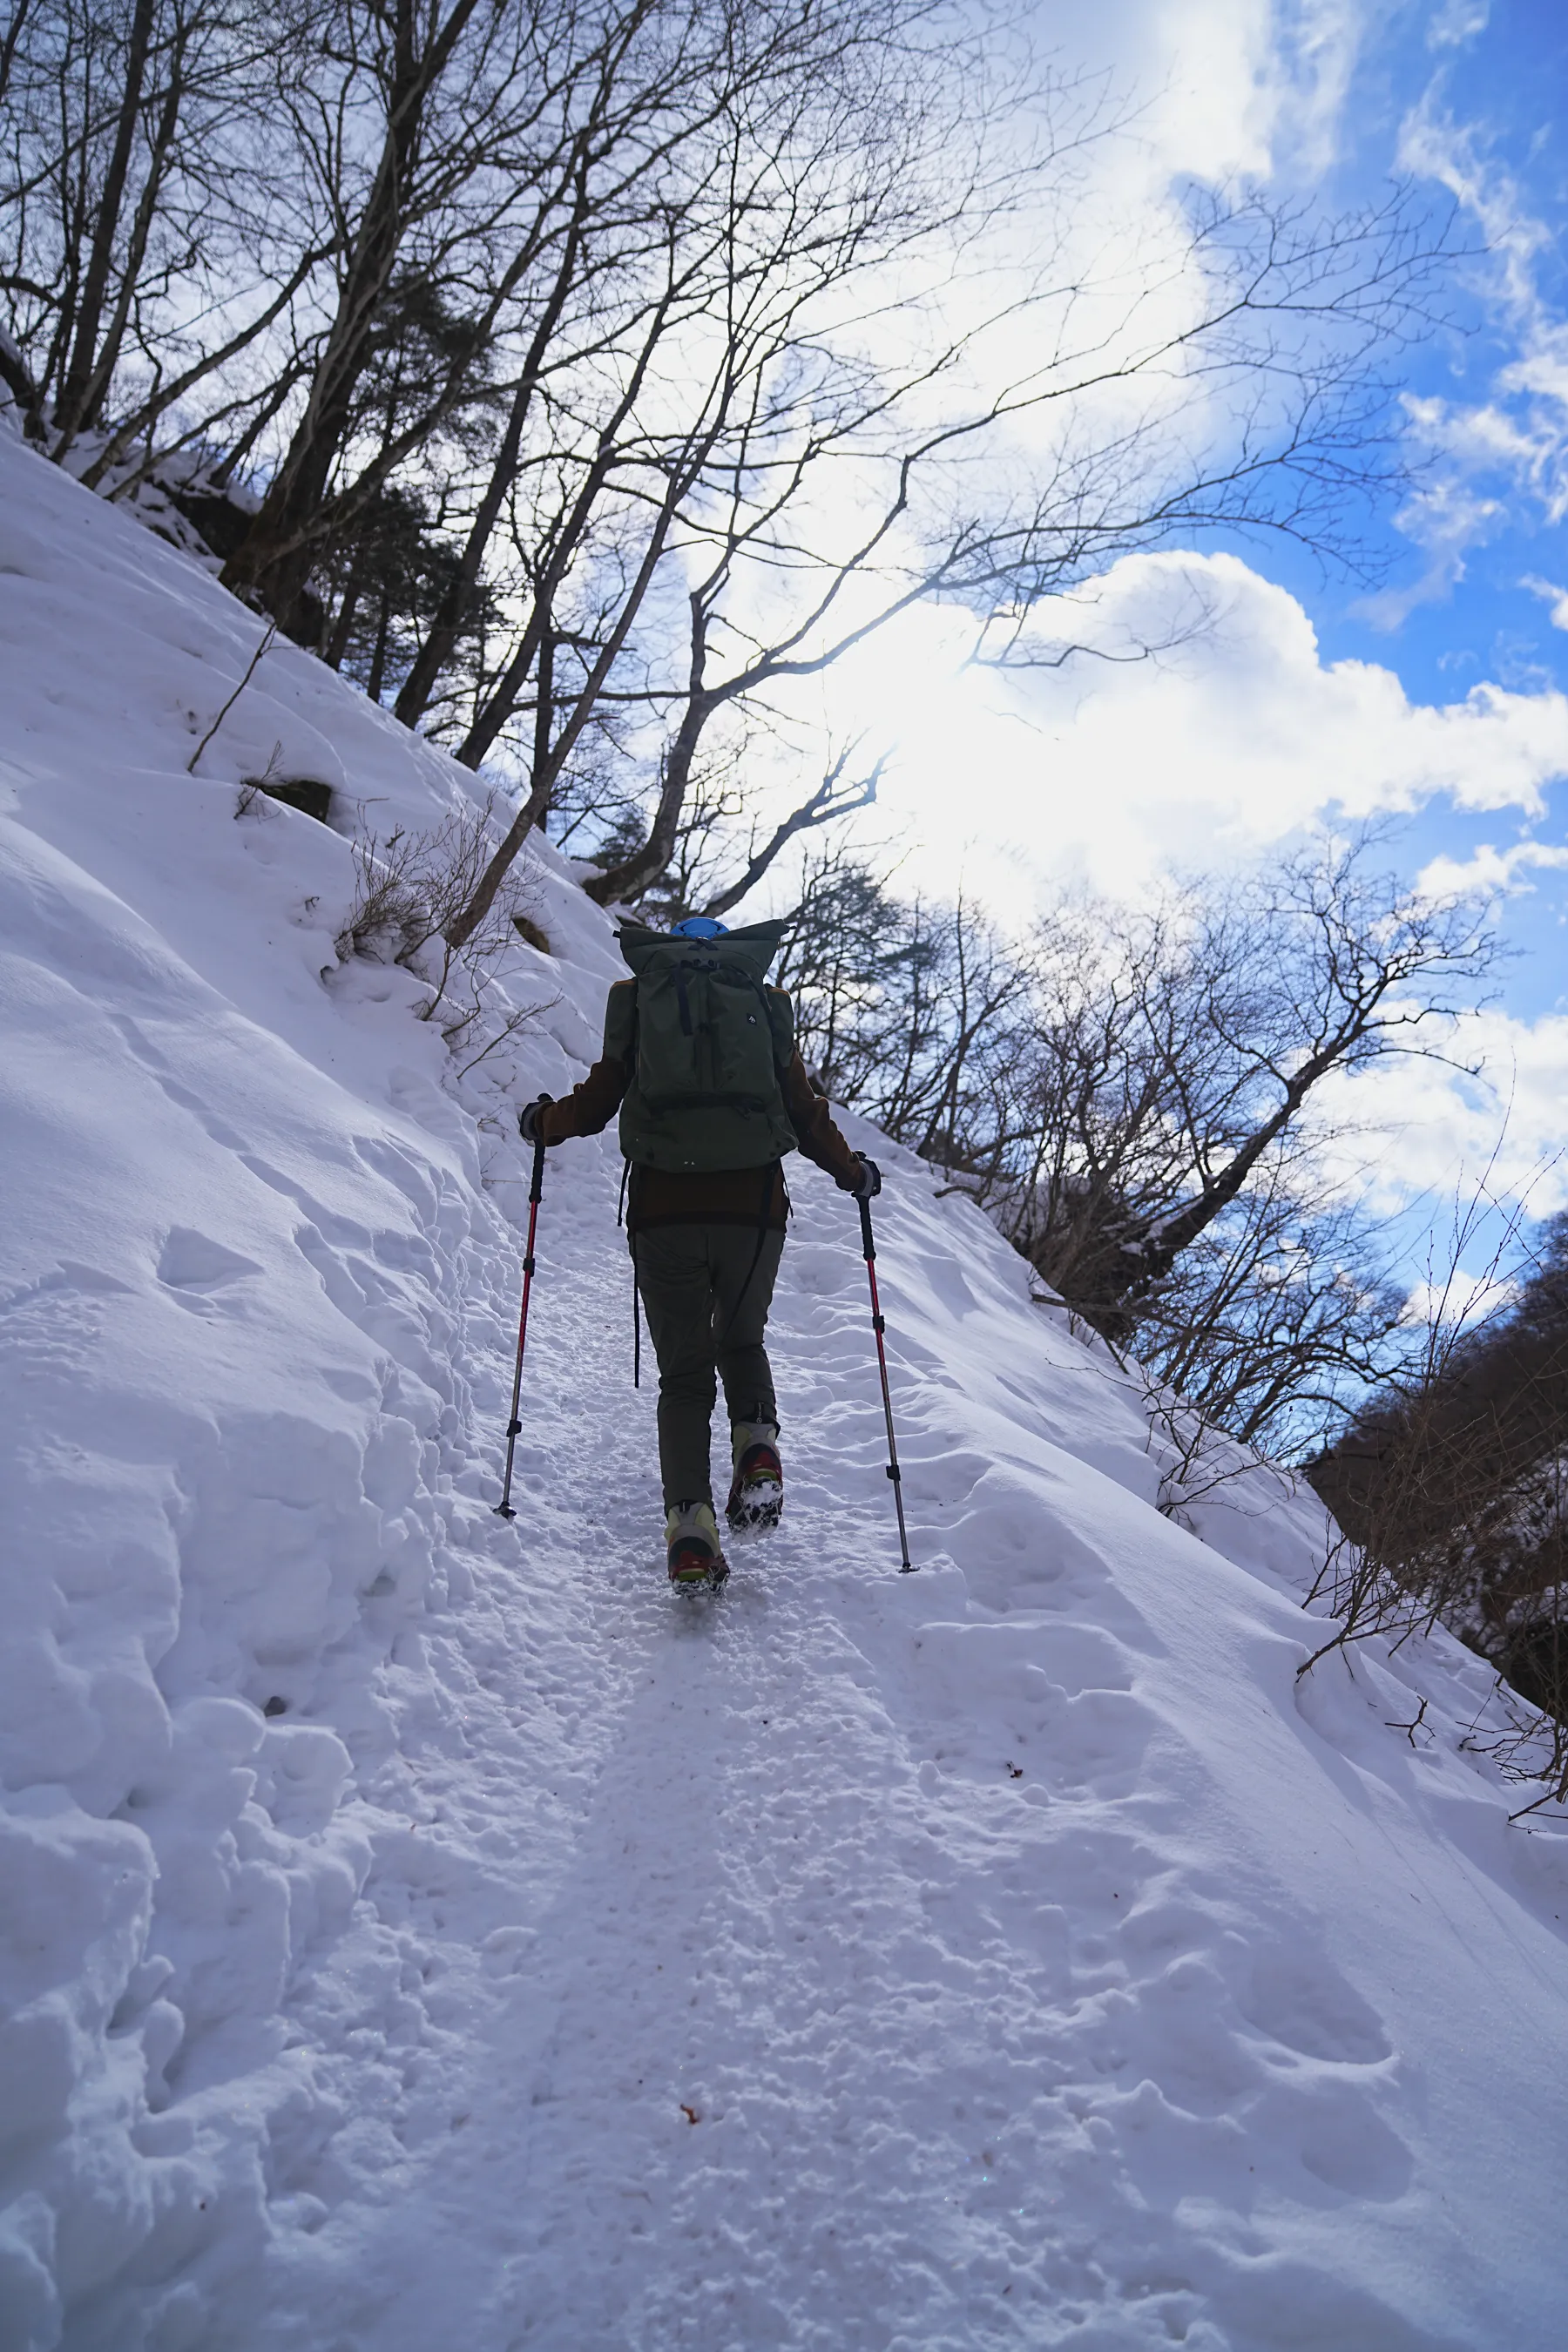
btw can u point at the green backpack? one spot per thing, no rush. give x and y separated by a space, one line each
709 1047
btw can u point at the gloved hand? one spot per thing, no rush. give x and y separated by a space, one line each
528 1118
870 1179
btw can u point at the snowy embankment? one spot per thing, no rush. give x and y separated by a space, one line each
419 1931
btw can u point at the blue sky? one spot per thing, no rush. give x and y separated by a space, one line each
1471 102
1438 697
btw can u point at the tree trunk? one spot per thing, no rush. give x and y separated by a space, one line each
96 390
275 557
542 768
533 809
414 698
638 871
1151 1255
342 628
378 656
9 46
633 875
21 387
170 391
821 807
70 408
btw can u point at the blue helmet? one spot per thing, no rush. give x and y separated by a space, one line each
699 926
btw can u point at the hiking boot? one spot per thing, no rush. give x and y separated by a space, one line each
756 1491
691 1540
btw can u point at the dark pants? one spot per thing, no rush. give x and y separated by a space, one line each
706 1290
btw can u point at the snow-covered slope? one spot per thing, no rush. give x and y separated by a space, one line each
418 1931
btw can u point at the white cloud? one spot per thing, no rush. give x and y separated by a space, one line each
1489 872
1204 757
1553 597
1208 753
1197 82
1317 46
1451 1137
1231 89
1231 93
1446 518
1514 440
1457 23
1200 756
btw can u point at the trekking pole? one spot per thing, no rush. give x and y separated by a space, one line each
514 1426
878 1325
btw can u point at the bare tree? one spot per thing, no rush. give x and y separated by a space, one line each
1280 1314
805 177
84 370
453 92
614 368
392 205
1128 1093
910 1011
531 167
1177 1049
1450 1482
127 177
839 794
846 496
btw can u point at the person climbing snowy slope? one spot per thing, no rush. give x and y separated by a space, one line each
700 1059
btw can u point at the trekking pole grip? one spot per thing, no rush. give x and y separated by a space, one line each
868 1246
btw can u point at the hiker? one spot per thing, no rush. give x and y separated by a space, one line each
701 1060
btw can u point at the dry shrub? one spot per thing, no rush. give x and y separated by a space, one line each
1199 1461
1451 1488
409 889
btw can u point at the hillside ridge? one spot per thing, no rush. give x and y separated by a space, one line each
427 1930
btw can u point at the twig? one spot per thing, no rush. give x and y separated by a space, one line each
1410 1730
270 633
514 1021
255 786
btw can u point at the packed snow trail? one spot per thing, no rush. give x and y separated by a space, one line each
884 1992
423 1931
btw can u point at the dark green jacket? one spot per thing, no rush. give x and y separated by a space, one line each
748 1196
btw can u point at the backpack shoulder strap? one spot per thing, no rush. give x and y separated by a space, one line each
621 1023
780 1011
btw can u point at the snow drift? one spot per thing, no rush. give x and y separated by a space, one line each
418 1931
